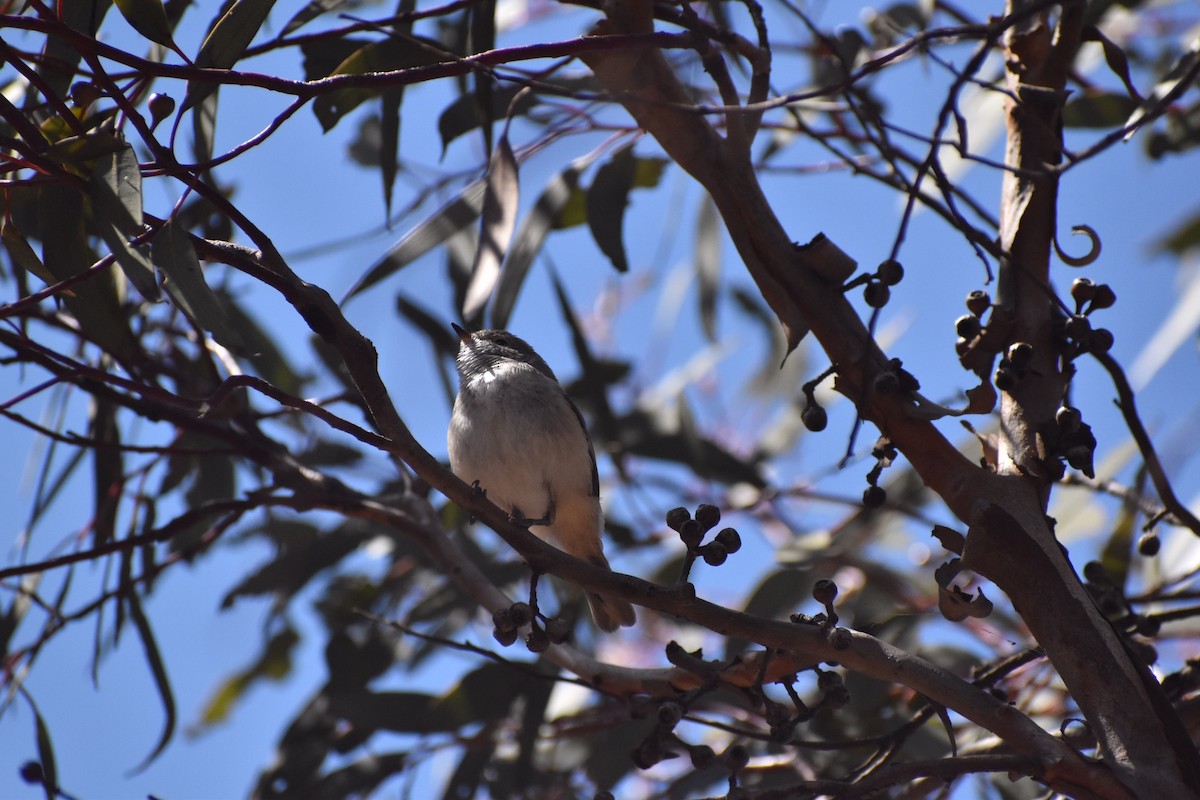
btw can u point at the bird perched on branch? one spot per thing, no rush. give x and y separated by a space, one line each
517 436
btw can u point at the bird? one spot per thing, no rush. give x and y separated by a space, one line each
515 435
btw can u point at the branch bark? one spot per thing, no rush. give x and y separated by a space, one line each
1010 541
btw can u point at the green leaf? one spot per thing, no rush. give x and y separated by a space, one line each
530 238
464 114
606 201
387 55
289 572
21 253
608 197
174 254
444 223
707 261
158 670
45 749
274 664
312 10
133 262
117 189
1098 110
226 41
497 221
359 778
65 252
108 474
149 18
1183 238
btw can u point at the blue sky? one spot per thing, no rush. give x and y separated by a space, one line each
302 189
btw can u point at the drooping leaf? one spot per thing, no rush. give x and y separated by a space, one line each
60 56
482 15
311 10
117 189
1182 238
528 242
66 253
359 778
174 254
463 114
273 664
707 260
226 41
499 218
290 571
204 127
117 214
1098 110
389 143
444 223
149 18
108 473
777 595
131 259
262 350
386 55
1116 58
158 670
45 748
22 254
608 197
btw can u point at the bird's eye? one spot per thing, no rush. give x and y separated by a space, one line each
504 341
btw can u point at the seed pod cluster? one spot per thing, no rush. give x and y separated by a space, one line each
692 531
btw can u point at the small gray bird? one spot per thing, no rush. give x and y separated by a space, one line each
516 435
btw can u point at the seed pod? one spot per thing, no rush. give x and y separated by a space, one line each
702 756
676 517
558 630
1005 379
890 272
1078 327
967 326
502 620
814 418
707 516
824 591
978 302
829 680
161 106
730 540
877 294
536 640
1082 290
887 383
737 757
1020 354
520 614
1100 340
1149 544
691 534
669 714
1068 418
504 636
1103 297
714 554
874 497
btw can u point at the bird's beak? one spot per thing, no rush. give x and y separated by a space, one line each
463 336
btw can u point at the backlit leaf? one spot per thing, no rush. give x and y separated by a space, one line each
444 223
499 218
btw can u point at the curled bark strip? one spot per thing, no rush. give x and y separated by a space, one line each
1087 258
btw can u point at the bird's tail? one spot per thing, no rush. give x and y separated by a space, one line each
609 613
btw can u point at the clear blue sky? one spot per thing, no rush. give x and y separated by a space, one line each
302 189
